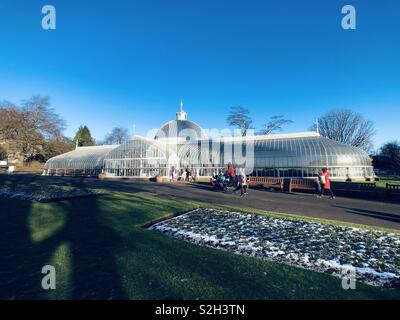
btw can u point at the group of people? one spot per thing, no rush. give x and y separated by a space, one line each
187 174
234 179
322 183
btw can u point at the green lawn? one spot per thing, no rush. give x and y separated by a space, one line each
101 251
387 179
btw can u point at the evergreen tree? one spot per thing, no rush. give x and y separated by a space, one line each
389 157
83 137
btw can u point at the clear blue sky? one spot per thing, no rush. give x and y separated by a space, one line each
130 62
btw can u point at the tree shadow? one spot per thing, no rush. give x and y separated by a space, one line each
20 261
373 214
93 270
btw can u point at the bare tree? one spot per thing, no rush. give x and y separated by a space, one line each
276 123
239 117
41 118
11 121
348 127
117 136
30 124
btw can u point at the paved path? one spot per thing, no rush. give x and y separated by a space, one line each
383 214
375 213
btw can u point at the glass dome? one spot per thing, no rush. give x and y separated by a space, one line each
185 129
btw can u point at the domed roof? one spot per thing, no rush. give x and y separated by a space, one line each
180 128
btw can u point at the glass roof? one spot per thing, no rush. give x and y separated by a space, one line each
81 158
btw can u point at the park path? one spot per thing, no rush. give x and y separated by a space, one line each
360 211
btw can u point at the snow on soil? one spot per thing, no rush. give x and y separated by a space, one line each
373 255
43 193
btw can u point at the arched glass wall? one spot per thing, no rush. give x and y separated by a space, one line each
136 158
304 157
280 157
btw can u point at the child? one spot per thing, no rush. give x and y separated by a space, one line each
317 182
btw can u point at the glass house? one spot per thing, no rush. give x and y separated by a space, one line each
182 143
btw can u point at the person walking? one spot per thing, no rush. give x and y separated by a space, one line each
193 175
238 174
187 174
231 173
172 176
326 183
317 182
241 182
245 186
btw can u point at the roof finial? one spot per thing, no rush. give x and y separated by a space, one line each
181 115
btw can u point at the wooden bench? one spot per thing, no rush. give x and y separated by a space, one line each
392 189
301 184
276 183
353 186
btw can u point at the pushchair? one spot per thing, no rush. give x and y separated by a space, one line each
223 183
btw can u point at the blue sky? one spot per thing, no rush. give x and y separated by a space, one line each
126 62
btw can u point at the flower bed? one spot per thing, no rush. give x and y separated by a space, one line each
373 255
44 193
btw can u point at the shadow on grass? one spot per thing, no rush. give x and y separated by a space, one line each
93 273
20 261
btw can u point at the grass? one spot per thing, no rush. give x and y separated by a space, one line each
382 180
33 167
387 179
101 251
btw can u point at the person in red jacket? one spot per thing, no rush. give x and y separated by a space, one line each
231 172
326 183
